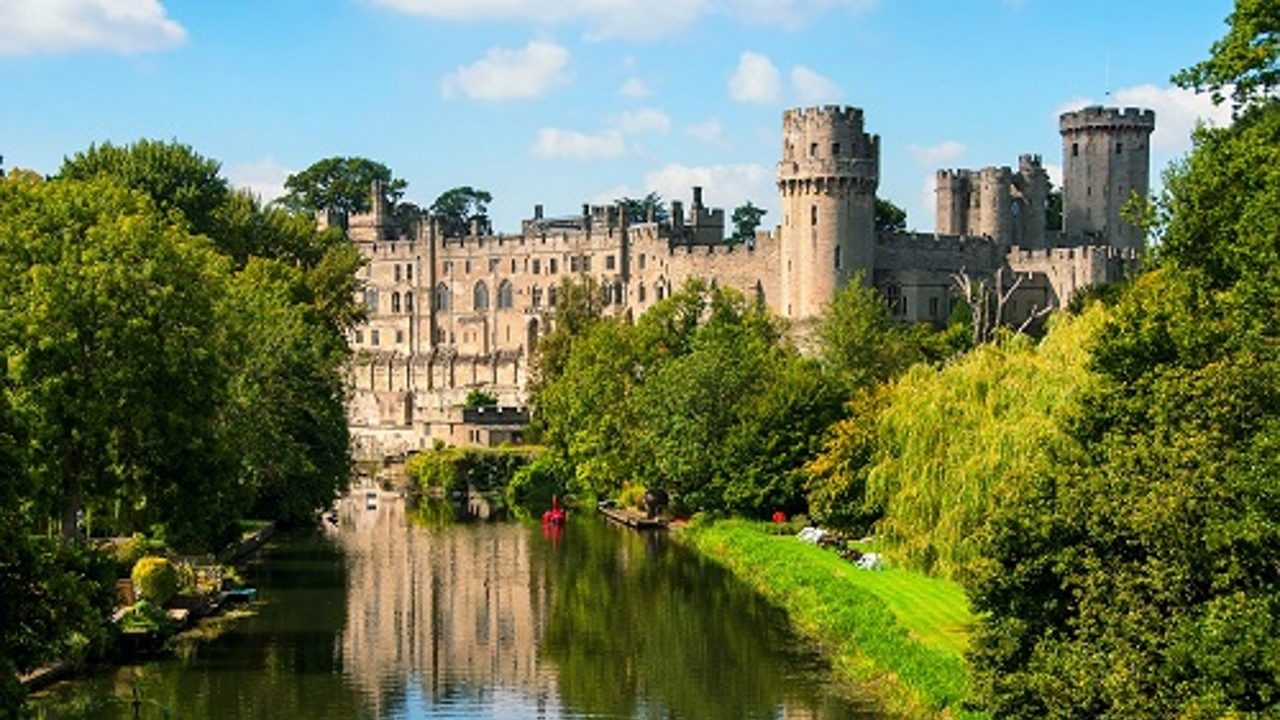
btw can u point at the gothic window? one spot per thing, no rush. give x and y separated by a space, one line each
395 302
504 294
371 299
444 299
480 296
893 296
408 302
660 289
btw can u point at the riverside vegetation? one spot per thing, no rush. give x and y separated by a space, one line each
1108 496
173 362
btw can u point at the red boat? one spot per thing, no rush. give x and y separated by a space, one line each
555 516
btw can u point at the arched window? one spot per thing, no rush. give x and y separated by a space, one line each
480 296
660 290
408 302
444 300
504 294
371 299
395 302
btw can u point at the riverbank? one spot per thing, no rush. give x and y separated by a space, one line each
900 632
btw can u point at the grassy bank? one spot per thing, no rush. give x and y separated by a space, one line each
902 633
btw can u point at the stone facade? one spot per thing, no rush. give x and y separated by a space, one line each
449 314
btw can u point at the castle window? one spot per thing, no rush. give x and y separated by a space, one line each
448 266
573 264
504 294
408 302
551 266
359 336
395 302
813 150
399 337
660 289
373 337
641 261
537 267
835 149
444 299
933 307
837 257
537 297
493 265
606 294
513 266
813 215
371 299
586 263
893 298
480 296
617 293
1119 148
397 272
1075 149
408 272
640 292
467 267
551 297
609 262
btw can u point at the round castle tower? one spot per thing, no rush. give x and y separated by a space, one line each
827 178
1106 159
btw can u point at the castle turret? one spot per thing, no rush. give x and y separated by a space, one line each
1032 185
1105 160
827 179
952 187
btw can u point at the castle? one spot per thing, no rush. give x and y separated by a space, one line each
451 314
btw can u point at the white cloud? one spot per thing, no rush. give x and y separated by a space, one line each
264 178
726 186
635 88
1177 112
626 19
50 26
1055 174
645 120
928 210
556 143
756 80
504 74
709 131
933 155
811 88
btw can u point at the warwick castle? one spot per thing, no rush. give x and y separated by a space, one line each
452 314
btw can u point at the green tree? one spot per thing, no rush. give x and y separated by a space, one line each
108 325
171 174
457 207
578 306
1053 209
746 218
858 341
889 218
340 184
639 210
1244 60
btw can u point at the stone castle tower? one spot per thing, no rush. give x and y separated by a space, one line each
827 178
1106 154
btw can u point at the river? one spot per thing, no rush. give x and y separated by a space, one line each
383 618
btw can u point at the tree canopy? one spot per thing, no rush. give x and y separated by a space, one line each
1244 61
639 210
340 184
889 218
746 219
457 207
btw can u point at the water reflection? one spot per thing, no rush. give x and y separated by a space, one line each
384 619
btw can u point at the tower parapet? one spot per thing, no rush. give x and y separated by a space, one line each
827 178
1106 160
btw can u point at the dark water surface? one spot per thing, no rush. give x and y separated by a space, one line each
381 618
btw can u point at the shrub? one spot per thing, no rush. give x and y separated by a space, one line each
155 579
631 496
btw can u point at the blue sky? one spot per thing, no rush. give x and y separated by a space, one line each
562 102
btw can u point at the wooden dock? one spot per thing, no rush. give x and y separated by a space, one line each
633 518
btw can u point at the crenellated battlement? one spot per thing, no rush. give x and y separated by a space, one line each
1096 116
825 114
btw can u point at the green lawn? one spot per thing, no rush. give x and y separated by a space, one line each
898 630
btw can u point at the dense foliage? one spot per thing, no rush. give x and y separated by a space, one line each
1138 577
339 184
173 359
